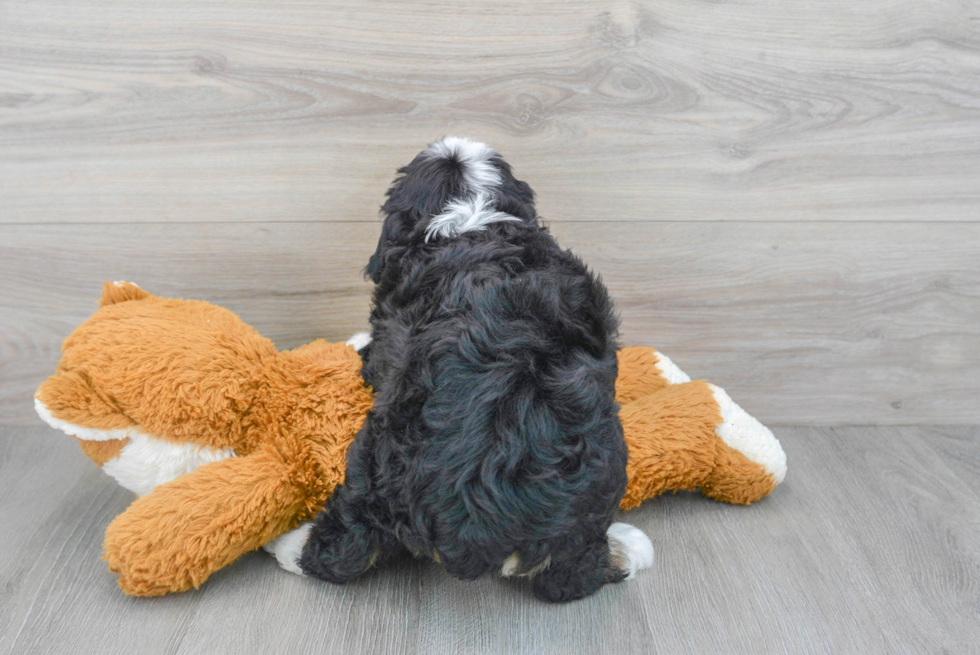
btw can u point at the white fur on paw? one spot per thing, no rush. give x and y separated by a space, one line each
670 371
359 340
288 548
120 283
632 546
510 565
747 435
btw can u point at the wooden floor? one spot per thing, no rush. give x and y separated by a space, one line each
783 197
872 545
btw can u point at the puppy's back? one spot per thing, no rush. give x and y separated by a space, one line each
519 443
494 368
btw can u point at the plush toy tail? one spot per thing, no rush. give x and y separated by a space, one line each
113 292
174 538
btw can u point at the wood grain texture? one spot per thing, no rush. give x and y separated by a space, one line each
860 324
243 110
784 200
870 546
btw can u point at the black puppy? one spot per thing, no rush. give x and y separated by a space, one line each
494 443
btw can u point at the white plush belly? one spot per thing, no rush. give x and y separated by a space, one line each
146 462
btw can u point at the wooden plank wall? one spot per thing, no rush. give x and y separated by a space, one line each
786 201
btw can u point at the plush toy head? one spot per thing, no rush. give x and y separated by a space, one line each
155 388
230 442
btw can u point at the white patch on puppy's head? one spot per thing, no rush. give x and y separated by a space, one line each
475 159
469 215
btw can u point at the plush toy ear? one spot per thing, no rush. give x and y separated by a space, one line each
113 292
175 537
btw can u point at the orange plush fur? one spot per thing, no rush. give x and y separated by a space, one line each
233 442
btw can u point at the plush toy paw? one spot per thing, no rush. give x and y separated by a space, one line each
631 547
288 548
359 340
747 435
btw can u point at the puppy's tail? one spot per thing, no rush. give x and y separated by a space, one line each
630 551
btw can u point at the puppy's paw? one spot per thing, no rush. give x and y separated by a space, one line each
629 549
359 340
288 548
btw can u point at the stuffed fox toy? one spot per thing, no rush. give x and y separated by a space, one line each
229 443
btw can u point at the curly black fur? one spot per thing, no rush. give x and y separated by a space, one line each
494 429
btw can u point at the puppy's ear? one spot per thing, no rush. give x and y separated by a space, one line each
420 190
513 196
376 263
391 229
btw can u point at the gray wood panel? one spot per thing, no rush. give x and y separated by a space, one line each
785 200
871 545
237 110
859 324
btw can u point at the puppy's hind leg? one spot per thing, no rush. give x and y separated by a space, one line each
337 546
344 540
334 556
612 557
339 549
